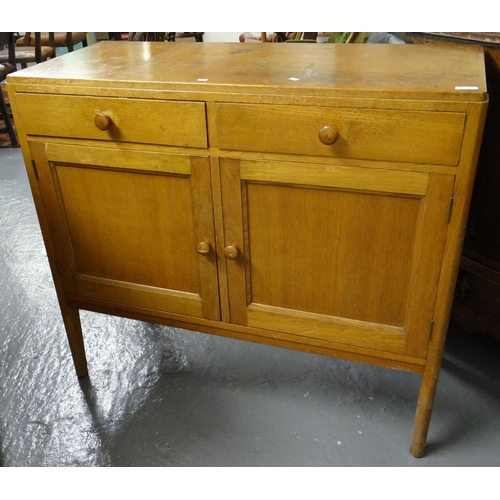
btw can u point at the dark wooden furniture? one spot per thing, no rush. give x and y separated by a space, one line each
147 36
32 50
172 36
66 39
4 111
7 67
476 308
224 188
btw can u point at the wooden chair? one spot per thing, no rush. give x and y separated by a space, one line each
66 39
296 36
310 37
197 35
5 69
290 36
171 36
28 53
144 36
347 37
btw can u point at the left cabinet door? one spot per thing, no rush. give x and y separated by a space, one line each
131 228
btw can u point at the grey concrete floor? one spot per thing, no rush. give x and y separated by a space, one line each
160 396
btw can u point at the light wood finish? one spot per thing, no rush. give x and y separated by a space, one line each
323 69
171 123
72 324
361 134
476 307
210 200
118 256
292 263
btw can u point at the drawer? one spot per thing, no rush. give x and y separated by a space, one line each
479 293
391 135
173 123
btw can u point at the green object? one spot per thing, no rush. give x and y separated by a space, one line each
341 37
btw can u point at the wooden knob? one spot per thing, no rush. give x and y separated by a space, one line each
328 135
231 252
203 248
102 121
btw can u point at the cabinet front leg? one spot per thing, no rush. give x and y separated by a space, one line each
424 411
71 318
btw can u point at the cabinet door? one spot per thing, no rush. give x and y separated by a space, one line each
131 227
341 254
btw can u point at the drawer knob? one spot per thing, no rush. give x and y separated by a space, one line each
102 121
203 248
231 252
328 135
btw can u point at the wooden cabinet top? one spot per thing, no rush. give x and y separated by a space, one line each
457 36
382 71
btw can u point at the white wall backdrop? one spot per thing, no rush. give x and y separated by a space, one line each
222 36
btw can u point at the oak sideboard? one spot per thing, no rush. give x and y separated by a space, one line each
306 196
476 307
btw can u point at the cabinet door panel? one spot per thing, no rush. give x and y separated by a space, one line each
132 222
344 254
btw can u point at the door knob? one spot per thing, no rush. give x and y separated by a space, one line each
231 252
203 248
328 135
102 121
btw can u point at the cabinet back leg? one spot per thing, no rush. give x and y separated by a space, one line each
71 318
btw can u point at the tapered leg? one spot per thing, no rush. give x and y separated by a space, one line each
424 410
71 318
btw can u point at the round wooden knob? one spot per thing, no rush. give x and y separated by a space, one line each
328 135
203 248
231 252
102 121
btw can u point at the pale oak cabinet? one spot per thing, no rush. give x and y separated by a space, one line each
309 197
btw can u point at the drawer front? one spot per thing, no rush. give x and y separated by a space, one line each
173 123
479 293
390 135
